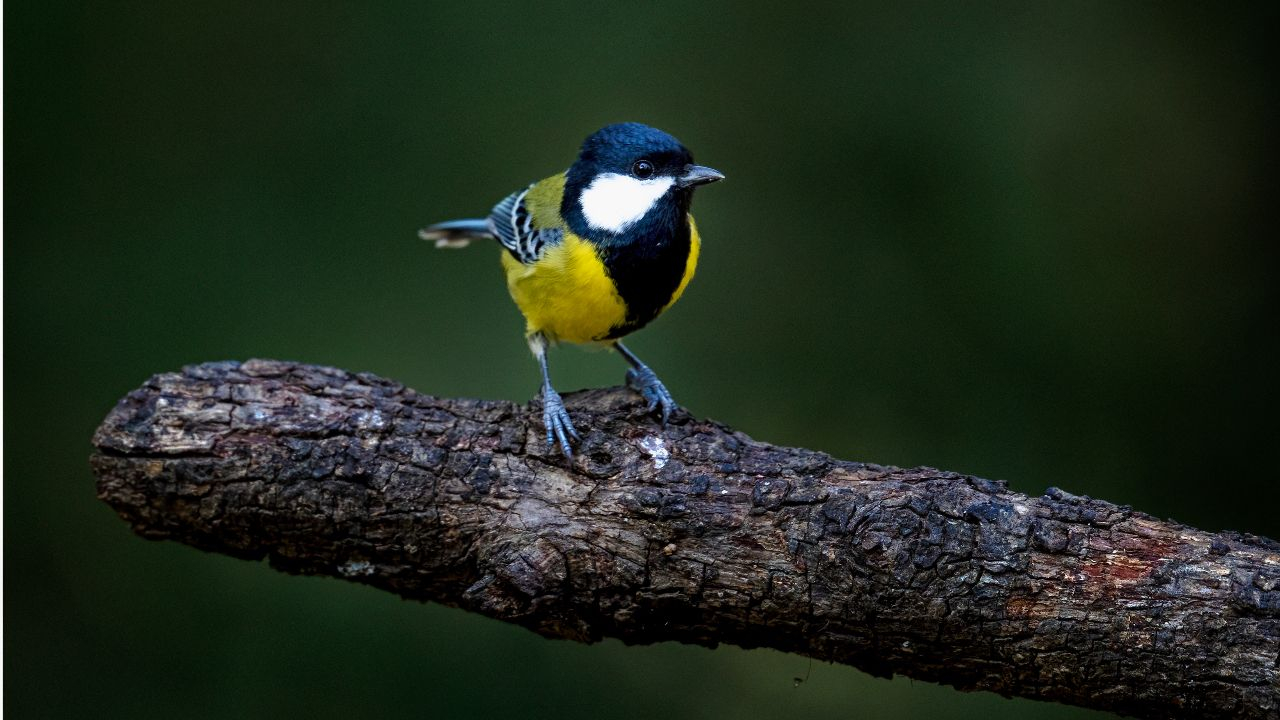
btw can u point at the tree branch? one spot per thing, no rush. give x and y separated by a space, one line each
698 534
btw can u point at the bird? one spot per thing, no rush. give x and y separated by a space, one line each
596 252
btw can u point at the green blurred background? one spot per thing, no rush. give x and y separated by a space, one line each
1026 241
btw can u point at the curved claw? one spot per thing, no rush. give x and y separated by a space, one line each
644 381
556 419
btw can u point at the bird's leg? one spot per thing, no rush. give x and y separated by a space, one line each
643 380
554 417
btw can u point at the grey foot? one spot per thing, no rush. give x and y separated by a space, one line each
642 380
556 419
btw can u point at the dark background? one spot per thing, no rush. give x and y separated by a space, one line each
1026 241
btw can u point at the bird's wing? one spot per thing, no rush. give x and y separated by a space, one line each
512 223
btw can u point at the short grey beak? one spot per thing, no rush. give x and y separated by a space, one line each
698 175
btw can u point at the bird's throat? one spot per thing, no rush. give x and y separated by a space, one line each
647 264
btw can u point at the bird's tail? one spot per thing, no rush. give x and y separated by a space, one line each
457 233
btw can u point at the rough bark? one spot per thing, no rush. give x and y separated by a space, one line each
698 534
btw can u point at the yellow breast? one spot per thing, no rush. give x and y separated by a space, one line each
566 295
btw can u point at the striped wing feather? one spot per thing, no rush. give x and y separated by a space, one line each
511 222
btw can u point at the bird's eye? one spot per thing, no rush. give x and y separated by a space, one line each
642 169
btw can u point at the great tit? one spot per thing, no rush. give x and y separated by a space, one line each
597 252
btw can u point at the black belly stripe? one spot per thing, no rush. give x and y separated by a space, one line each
647 271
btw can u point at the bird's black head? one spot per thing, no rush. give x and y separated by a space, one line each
624 173
633 149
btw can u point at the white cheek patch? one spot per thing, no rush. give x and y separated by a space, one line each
613 202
